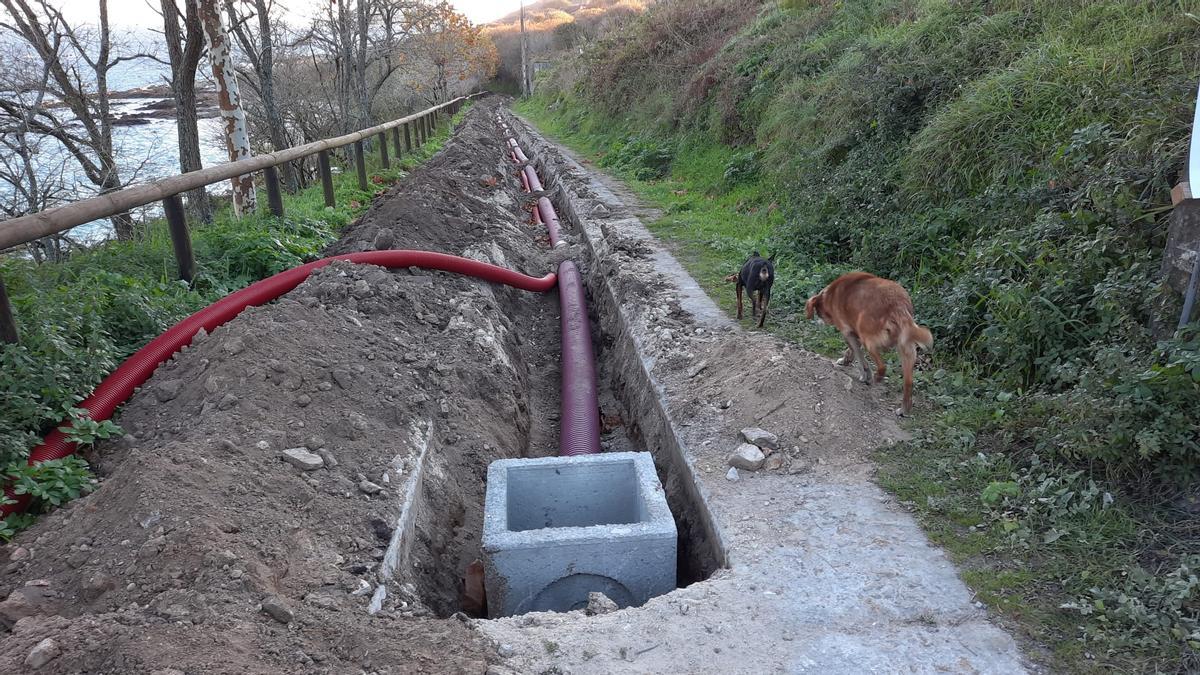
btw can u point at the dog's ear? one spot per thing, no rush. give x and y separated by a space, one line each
755 254
771 258
811 306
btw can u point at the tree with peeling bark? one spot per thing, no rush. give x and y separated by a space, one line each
185 47
237 138
78 62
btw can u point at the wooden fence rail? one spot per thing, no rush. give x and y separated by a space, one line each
25 229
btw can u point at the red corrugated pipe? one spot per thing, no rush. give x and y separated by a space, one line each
119 386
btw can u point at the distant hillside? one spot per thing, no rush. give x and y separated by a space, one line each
554 26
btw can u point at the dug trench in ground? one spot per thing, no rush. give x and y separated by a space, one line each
202 551
826 573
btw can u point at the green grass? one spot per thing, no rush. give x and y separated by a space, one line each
1024 559
80 318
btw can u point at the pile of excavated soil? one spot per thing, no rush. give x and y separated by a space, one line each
205 550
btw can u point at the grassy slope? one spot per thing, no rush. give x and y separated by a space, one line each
79 319
1009 162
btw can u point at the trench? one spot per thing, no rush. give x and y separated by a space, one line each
448 519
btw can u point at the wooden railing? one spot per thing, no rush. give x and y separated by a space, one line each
415 128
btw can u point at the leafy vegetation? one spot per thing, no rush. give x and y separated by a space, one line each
79 319
1010 164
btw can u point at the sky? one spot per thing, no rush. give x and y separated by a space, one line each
144 13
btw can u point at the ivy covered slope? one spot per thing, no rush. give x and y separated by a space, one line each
1010 163
80 318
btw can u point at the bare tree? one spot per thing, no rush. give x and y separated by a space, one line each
184 38
68 52
25 187
258 48
237 138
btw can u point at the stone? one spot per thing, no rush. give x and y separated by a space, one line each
342 378
748 457
732 476
166 391
367 487
327 457
314 443
234 346
20 553
167 671
506 651
774 462
599 603
44 652
23 602
303 400
384 239
302 459
227 401
761 438
97 585
275 608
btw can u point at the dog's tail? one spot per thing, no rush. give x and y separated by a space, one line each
913 334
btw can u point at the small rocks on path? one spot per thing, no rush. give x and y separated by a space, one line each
748 457
761 438
732 476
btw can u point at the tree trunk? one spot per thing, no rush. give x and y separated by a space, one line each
185 50
237 140
266 76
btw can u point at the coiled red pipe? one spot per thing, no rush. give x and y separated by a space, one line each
119 386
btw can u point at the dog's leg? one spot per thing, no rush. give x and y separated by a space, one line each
848 357
766 300
739 299
908 358
755 298
860 358
880 364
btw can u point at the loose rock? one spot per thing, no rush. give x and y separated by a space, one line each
275 608
384 239
367 487
732 476
303 459
46 651
166 391
761 438
774 462
599 603
747 457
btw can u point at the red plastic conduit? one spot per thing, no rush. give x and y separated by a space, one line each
531 178
119 386
545 211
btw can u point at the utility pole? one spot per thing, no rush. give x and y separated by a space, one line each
525 88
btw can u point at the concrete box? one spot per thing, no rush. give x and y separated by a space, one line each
557 528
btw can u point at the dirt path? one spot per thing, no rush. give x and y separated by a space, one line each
827 574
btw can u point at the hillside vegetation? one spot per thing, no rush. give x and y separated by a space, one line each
1010 163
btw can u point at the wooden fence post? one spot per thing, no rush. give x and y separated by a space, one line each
360 163
181 239
8 327
408 144
274 197
396 142
326 177
383 150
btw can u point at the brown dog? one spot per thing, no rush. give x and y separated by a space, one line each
877 314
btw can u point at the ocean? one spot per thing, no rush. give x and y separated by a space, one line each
145 152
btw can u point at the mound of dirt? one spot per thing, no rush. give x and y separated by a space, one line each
241 523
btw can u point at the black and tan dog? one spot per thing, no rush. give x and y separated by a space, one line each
756 278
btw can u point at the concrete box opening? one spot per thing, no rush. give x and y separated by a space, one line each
573 495
558 528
